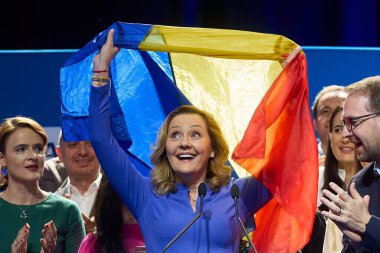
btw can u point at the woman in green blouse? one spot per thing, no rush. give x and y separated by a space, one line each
32 220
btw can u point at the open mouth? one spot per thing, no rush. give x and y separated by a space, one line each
185 156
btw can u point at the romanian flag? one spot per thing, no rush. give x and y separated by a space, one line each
262 108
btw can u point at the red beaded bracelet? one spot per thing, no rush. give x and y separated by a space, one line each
100 71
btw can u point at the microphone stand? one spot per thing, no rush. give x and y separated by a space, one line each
235 196
201 193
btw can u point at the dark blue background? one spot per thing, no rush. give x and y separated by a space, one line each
30 79
70 24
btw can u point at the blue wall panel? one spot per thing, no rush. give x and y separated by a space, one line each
30 79
30 84
339 65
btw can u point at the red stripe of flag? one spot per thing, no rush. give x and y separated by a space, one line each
279 148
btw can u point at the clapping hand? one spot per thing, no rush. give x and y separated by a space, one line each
89 223
49 238
20 244
349 213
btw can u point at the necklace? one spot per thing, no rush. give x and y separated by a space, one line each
193 193
192 197
23 214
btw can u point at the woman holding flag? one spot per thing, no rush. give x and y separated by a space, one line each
190 151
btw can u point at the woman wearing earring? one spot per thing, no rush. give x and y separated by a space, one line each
3 178
32 220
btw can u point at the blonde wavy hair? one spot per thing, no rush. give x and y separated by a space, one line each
218 173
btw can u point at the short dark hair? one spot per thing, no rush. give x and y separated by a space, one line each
325 90
369 87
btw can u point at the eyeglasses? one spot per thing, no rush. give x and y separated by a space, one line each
353 122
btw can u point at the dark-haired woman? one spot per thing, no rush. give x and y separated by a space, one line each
116 228
340 165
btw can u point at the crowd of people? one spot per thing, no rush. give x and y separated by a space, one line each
89 199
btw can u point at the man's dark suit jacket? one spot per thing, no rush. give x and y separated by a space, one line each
54 175
367 182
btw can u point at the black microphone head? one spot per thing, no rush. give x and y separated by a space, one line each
202 190
235 191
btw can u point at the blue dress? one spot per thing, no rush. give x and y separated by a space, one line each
162 217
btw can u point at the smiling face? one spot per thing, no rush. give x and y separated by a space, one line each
79 160
342 148
326 105
365 136
188 148
24 155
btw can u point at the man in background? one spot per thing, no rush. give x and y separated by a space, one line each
84 177
324 104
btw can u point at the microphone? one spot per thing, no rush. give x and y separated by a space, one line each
235 195
201 193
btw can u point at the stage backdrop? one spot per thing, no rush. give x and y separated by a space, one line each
30 79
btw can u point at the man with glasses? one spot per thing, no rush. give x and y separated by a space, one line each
357 213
